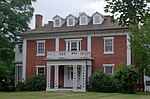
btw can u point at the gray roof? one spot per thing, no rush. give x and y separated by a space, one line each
106 25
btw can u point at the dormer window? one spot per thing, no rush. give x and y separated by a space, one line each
98 18
70 22
83 20
57 22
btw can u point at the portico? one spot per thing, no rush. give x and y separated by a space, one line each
68 74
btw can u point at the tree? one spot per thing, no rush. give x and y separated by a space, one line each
15 16
128 12
140 39
134 13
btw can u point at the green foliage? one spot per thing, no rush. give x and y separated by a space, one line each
128 12
126 78
101 82
140 40
35 83
14 17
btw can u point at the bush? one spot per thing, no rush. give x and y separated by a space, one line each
35 83
126 78
101 82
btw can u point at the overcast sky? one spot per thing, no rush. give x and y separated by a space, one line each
50 8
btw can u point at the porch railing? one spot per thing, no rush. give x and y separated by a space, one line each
68 54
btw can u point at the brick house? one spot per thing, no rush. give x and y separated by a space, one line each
67 50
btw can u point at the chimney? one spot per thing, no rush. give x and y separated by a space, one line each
38 21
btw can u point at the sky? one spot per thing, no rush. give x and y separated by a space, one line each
50 8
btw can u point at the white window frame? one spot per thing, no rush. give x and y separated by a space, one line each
40 54
109 38
81 23
59 25
68 41
109 65
94 19
72 20
37 67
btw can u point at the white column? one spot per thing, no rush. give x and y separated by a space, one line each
83 78
89 72
56 77
89 43
57 44
24 60
48 78
75 77
128 51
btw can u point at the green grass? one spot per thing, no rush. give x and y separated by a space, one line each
71 95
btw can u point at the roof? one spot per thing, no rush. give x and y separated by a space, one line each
107 24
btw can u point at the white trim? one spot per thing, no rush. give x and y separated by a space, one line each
24 60
77 36
109 52
89 43
68 40
109 65
40 66
40 41
57 44
128 50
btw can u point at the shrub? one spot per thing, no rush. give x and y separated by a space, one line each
101 82
35 83
126 77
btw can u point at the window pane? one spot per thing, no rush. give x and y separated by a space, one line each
40 70
108 45
108 69
19 48
83 20
147 83
70 21
73 46
57 22
41 48
97 19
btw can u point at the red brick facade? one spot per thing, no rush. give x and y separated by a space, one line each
97 50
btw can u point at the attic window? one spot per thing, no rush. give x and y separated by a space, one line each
83 20
70 22
57 23
97 19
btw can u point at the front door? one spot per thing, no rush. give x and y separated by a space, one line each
68 76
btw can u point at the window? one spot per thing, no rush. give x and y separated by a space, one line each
70 22
97 19
41 48
40 70
57 22
147 83
19 48
73 44
109 68
108 45
83 20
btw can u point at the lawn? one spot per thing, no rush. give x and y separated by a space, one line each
71 95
